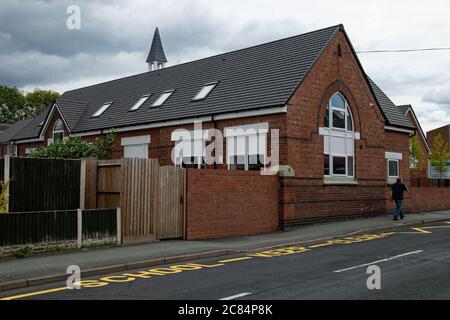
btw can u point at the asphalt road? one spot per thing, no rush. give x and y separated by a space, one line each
414 264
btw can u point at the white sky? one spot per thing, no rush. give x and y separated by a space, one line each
37 50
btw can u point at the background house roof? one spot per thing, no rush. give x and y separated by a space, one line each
12 131
392 113
33 127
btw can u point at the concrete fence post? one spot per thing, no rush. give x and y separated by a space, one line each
7 178
119 226
83 184
79 228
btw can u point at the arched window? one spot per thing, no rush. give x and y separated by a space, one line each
339 139
58 131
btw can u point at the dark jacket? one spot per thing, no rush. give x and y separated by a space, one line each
397 191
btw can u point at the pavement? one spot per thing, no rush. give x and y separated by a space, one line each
401 262
38 270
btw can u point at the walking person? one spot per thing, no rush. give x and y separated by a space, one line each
398 189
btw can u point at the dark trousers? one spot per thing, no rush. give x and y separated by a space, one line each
398 209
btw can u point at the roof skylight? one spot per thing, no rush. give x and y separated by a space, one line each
205 91
163 98
140 102
101 110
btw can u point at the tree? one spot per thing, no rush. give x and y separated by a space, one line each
12 102
77 148
16 105
440 154
103 146
36 101
416 155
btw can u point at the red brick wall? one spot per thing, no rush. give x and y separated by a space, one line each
223 203
302 203
428 199
443 131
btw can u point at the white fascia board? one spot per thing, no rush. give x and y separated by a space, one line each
252 113
86 134
135 140
394 155
160 124
398 129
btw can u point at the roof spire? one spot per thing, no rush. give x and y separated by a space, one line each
156 57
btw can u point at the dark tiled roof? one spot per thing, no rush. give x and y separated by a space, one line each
156 51
256 77
4 126
12 131
33 127
404 109
253 78
72 111
391 112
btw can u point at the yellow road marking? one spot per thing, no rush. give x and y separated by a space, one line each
234 260
421 230
26 295
436 227
267 254
320 245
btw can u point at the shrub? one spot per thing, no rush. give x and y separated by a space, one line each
77 148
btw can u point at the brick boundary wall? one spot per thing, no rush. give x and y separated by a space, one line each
221 203
309 201
428 199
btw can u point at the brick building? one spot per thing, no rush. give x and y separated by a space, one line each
341 139
443 131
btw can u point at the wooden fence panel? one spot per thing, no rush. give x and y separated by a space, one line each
44 184
139 200
37 227
99 224
172 197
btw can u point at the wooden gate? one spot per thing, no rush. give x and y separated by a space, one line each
151 197
172 198
140 200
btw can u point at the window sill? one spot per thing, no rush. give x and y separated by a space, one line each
340 182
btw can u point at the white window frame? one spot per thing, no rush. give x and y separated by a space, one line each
205 91
140 102
236 134
398 167
163 98
332 131
194 137
143 141
59 121
102 109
